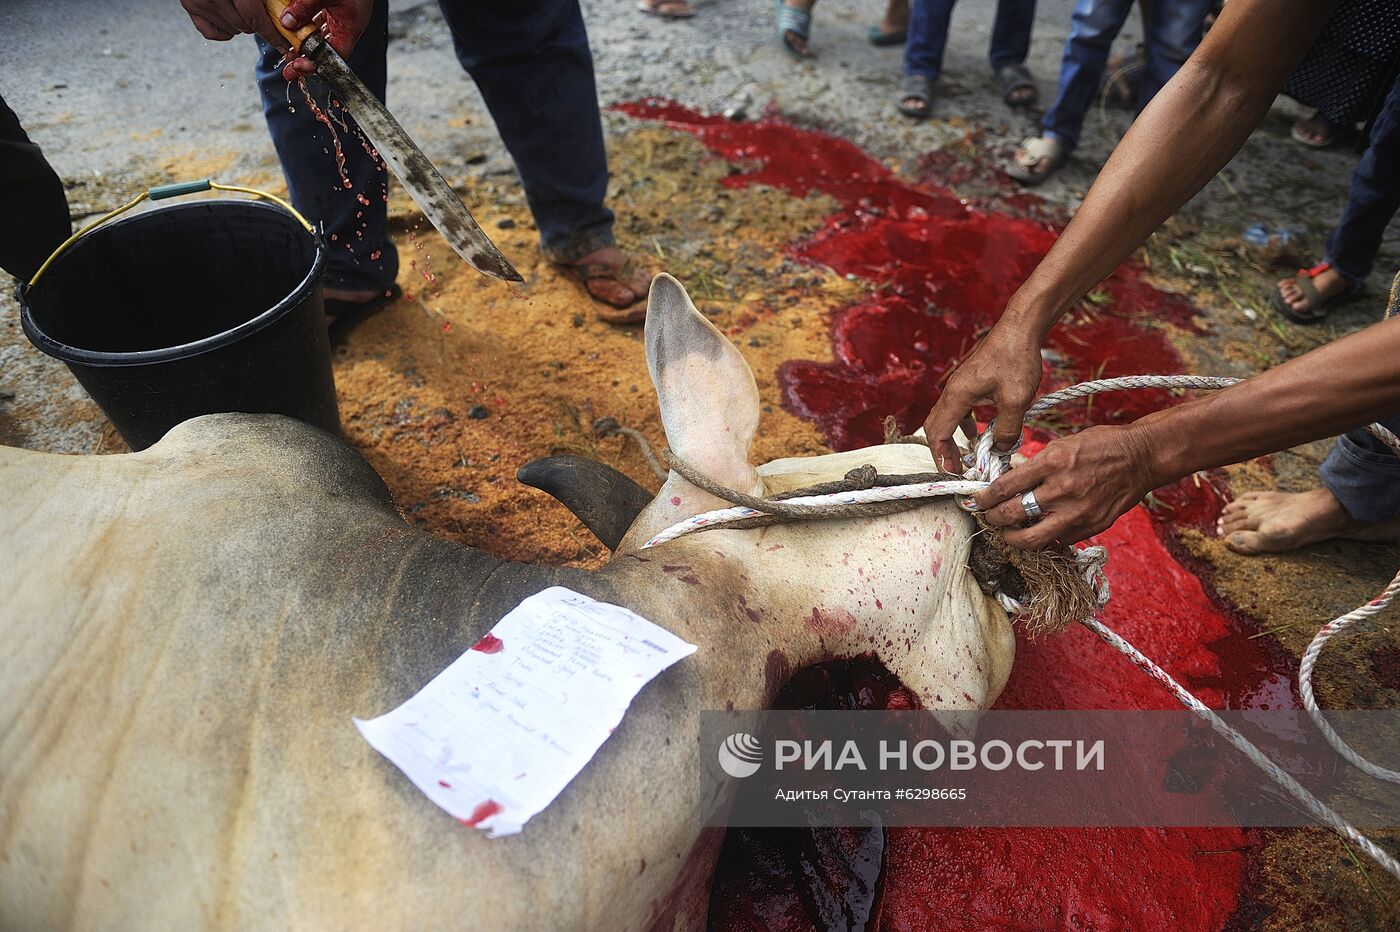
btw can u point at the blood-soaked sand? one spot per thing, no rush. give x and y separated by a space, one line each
850 291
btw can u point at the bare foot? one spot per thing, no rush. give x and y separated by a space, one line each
1316 131
1329 284
609 276
1275 522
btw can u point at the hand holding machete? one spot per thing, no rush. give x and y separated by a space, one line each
221 20
341 22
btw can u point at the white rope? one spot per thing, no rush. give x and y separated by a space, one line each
1085 389
1324 813
1305 689
879 494
1326 633
984 465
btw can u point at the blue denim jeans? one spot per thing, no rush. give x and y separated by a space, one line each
928 35
1173 30
1361 472
1364 474
531 61
1374 198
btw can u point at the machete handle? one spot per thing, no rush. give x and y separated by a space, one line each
275 9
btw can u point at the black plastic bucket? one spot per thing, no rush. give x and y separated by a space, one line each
191 309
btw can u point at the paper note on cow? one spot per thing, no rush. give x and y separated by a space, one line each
496 736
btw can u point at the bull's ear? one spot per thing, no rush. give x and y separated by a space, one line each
709 402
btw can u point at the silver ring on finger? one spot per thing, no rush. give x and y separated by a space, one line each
1031 506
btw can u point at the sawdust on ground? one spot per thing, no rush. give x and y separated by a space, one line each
455 387
448 392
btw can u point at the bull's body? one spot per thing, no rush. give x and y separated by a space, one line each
190 629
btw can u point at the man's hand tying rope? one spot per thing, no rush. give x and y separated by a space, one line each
1003 370
1085 481
1082 483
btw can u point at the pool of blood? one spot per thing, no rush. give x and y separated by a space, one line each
943 269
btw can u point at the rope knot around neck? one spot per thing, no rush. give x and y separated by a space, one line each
1047 589
866 493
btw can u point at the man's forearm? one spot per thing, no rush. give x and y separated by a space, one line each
1336 388
1191 130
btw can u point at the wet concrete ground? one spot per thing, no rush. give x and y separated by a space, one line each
149 101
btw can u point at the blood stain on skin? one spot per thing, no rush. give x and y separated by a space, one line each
833 621
683 572
776 671
945 269
755 615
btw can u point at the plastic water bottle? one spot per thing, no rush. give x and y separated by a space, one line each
1258 234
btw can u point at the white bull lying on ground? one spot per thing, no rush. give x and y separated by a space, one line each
188 631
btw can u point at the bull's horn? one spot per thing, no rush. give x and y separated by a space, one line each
605 500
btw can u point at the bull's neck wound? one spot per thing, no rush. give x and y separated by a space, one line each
944 269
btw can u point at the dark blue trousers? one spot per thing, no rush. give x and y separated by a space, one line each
928 35
1374 197
531 61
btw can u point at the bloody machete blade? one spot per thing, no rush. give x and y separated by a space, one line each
429 190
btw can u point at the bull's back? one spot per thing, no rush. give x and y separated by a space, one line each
178 623
195 627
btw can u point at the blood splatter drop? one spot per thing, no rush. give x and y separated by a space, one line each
489 644
481 813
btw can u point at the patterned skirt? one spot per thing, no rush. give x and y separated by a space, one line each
1348 71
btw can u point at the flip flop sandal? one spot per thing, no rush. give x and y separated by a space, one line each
915 87
1034 153
798 22
608 311
1316 308
666 9
878 36
1013 78
345 316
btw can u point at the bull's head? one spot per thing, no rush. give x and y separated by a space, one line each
897 585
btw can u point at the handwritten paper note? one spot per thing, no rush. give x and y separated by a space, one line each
495 737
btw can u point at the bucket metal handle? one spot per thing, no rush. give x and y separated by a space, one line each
160 193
